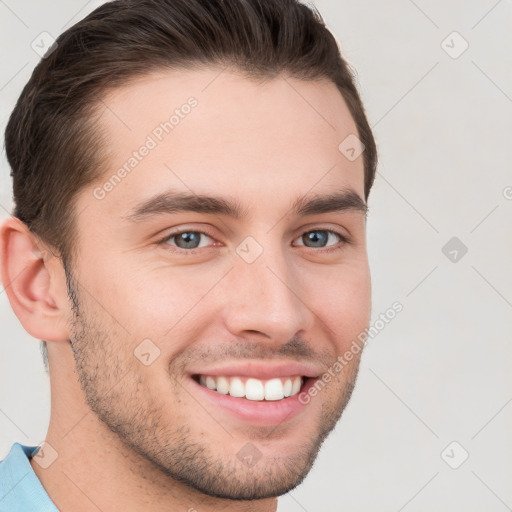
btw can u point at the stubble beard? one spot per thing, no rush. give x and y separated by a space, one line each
122 404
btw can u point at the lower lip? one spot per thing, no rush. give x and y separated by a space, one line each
264 412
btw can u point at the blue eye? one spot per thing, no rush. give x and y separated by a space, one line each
187 239
319 238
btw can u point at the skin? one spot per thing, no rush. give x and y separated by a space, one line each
127 435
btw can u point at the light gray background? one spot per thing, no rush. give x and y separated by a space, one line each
440 371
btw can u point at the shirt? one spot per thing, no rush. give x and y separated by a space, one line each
20 488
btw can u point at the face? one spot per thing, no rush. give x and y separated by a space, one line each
221 275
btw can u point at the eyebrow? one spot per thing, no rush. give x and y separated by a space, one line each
170 202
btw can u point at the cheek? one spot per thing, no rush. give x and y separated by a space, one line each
159 303
344 304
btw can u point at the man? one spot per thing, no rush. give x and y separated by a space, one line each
189 240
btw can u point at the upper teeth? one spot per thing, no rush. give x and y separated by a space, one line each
253 389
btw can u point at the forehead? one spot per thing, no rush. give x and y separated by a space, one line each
213 130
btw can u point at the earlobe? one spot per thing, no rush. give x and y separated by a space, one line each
34 282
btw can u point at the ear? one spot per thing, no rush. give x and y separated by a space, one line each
35 282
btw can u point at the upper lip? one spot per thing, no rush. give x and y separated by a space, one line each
260 370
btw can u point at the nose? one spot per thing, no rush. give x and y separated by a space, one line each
266 297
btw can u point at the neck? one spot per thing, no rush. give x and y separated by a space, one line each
94 470
101 473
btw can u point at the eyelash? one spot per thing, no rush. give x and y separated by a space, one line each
344 239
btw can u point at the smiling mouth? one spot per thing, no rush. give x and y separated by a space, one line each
253 389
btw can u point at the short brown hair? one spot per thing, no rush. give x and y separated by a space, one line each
50 140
